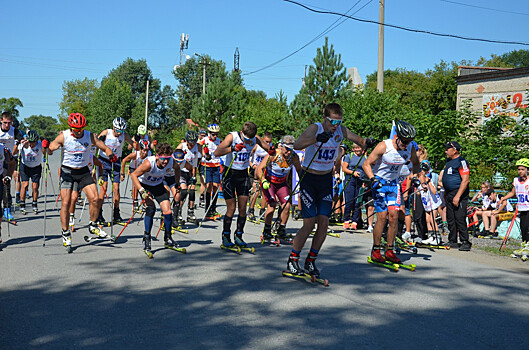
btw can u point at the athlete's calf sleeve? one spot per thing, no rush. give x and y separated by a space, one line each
241 221
183 195
227 224
167 223
149 217
192 195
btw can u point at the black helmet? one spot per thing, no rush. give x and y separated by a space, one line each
405 130
191 136
32 136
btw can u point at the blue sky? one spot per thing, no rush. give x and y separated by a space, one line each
46 43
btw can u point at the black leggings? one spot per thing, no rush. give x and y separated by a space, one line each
524 225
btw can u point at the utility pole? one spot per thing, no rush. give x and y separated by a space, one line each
146 103
236 60
380 72
204 64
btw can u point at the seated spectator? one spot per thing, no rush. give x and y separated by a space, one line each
492 212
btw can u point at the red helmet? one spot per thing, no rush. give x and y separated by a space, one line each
77 120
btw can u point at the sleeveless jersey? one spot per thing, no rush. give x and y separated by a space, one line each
190 155
114 143
2 159
242 158
91 163
155 176
277 169
324 160
136 162
388 167
76 151
212 146
522 193
7 138
258 155
31 157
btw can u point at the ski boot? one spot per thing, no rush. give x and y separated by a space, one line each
169 242
96 230
8 215
191 215
101 219
146 245
296 215
310 266
293 266
238 240
117 217
267 233
227 243
524 249
67 240
251 216
376 255
282 231
17 198
23 208
35 207
390 255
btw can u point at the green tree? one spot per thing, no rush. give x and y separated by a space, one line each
514 59
112 99
76 96
11 104
46 126
325 82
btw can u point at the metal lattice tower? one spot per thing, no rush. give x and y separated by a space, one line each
236 60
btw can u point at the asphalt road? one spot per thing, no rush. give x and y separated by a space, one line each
112 296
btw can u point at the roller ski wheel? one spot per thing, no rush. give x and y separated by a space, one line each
387 265
148 253
232 248
432 246
89 239
306 277
179 229
23 211
329 233
218 215
176 249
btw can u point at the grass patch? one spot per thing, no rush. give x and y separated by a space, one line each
495 250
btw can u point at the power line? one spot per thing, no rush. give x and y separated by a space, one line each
327 30
410 29
486 8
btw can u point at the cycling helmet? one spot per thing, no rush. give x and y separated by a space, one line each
191 136
144 144
119 123
202 132
523 162
76 120
142 129
32 136
405 130
213 128
178 155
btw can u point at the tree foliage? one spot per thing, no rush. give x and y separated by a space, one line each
46 126
76 96
514 59
11 104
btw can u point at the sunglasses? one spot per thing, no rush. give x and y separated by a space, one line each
245 138
288 149
405 142
120 131
213 133
334 122
165 158
78 130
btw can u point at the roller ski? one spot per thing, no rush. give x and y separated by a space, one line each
169 243
432 246
146 245
23 208
227 244
243 246
211 216
117 218
267 236
67 241
329 233
295 272
35 208
522 253
252 218
402 245
179 229
376 258
191 216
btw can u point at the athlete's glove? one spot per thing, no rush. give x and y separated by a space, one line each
155 142
272 151
122 176
193 180
416 182
100 181
144 193
238 147
45 143
113 158
324 136
265 184
370 142
375 183
7 180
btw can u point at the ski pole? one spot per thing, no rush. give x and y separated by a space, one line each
45 197
508 233
126 186
299 182
51 177
112 201
213 198
114 239
82 210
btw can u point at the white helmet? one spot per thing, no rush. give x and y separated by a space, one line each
142 129
119 123
213 128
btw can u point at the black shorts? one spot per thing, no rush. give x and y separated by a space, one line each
368 198
201 169
185 178
81 176
236 183
27 173
159 192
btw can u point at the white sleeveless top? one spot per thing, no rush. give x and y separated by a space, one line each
522 193
212 146
242 158
388 167
2 158
7 138
324 160
114 143
138 160
31 157
76 151
190 155
155 176
259 155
